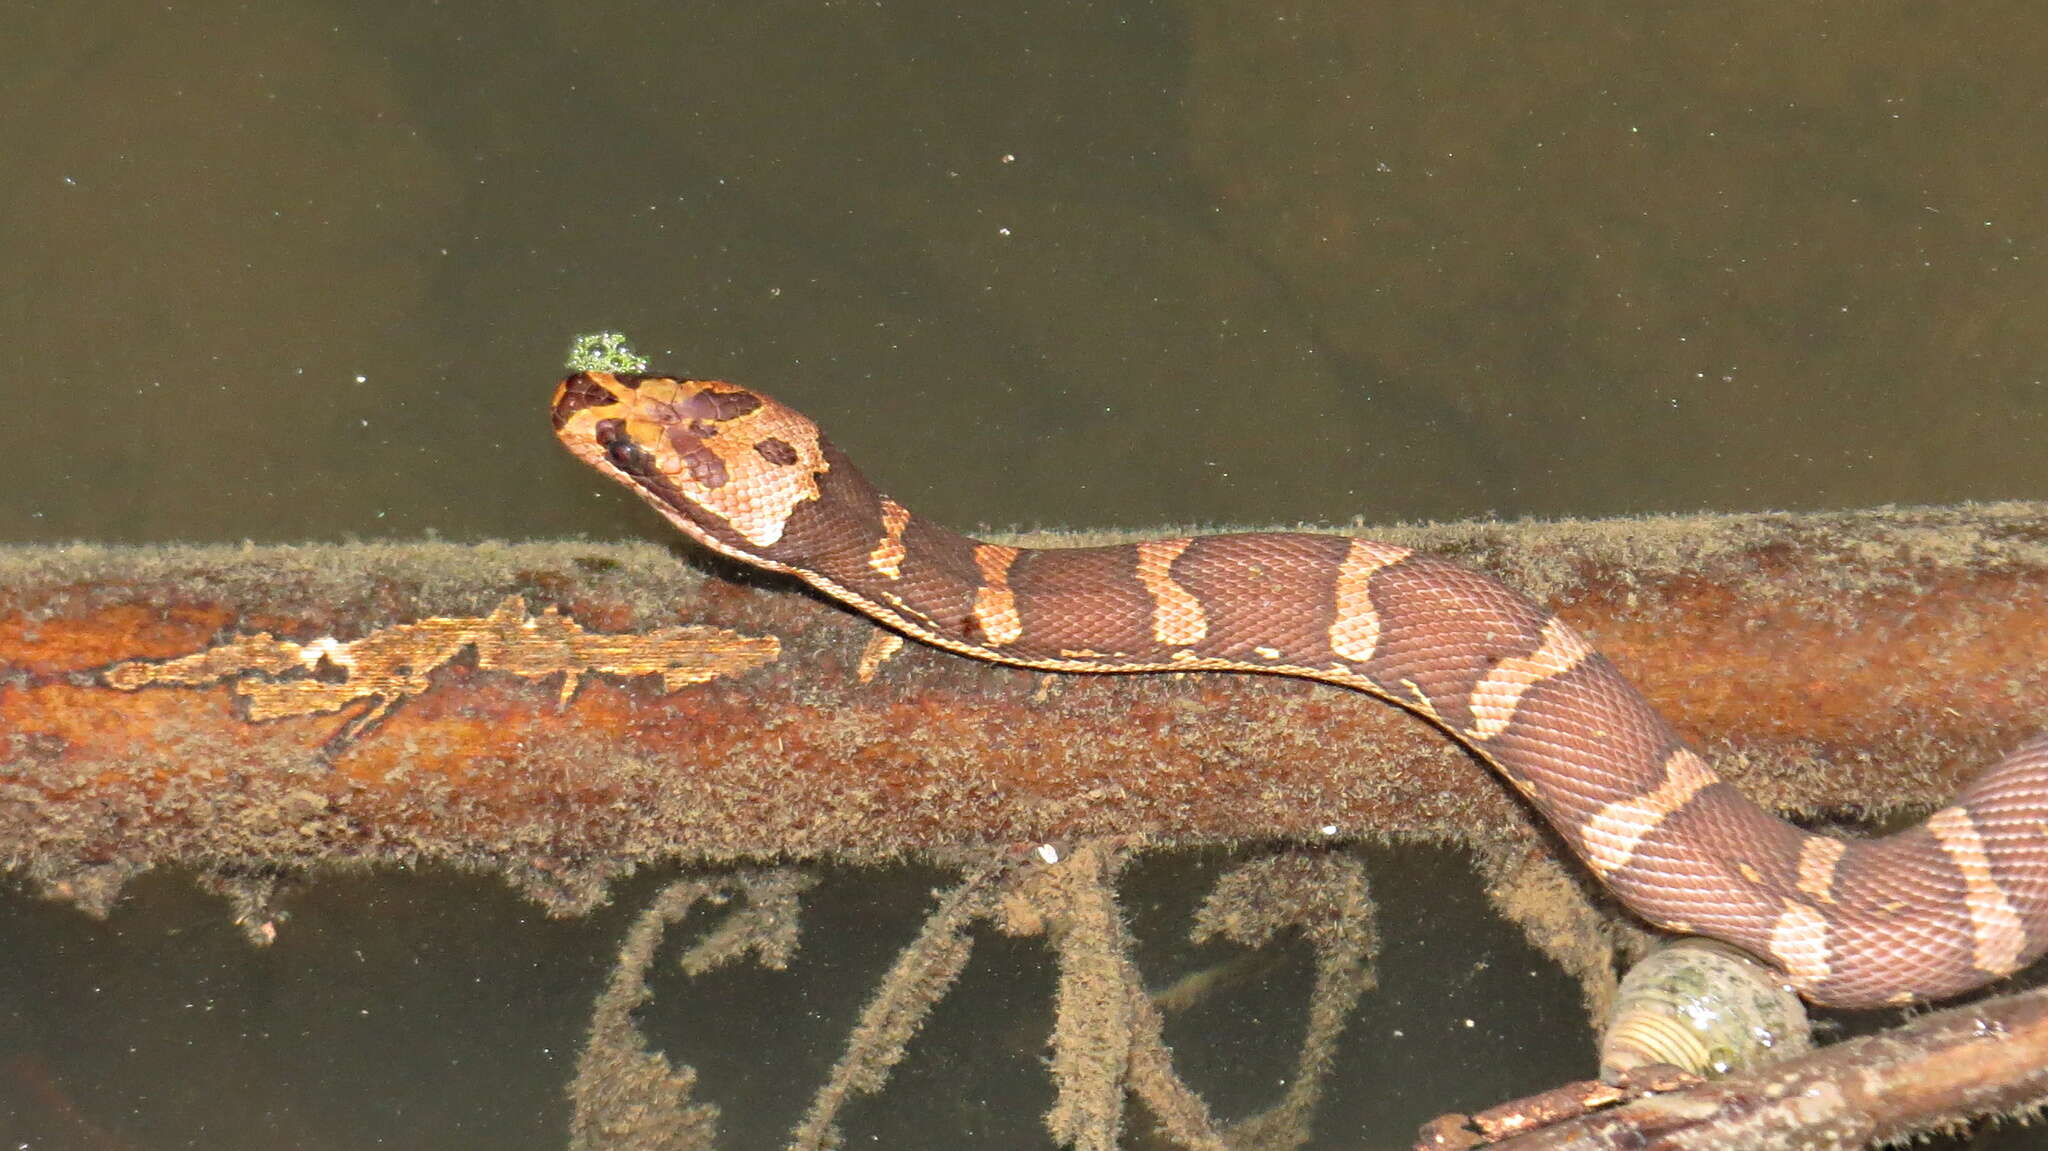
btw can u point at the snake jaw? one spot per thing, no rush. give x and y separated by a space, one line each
725 464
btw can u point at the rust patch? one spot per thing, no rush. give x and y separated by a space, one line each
278 678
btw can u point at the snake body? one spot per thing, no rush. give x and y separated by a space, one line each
1947 905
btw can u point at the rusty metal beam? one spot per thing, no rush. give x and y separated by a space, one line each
575 708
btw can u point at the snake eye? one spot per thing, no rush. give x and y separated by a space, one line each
623 450
630 457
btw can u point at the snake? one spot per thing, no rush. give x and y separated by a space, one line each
1947 905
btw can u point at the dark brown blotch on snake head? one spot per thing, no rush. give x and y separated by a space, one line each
719 406
777 452
577 393
705 468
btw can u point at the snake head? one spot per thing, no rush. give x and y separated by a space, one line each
726 464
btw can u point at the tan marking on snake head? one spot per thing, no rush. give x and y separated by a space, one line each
1998 935
1818 856
1611 836
1799 945
1500 692
887 558
1355 632
995 605
1178 619
705 453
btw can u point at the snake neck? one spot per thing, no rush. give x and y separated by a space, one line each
856 544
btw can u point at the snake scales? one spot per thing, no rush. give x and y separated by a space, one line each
1952 903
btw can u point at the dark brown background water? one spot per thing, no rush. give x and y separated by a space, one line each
307 270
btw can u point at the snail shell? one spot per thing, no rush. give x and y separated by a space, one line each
1704 1007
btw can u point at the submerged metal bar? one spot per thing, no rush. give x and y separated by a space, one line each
572 709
